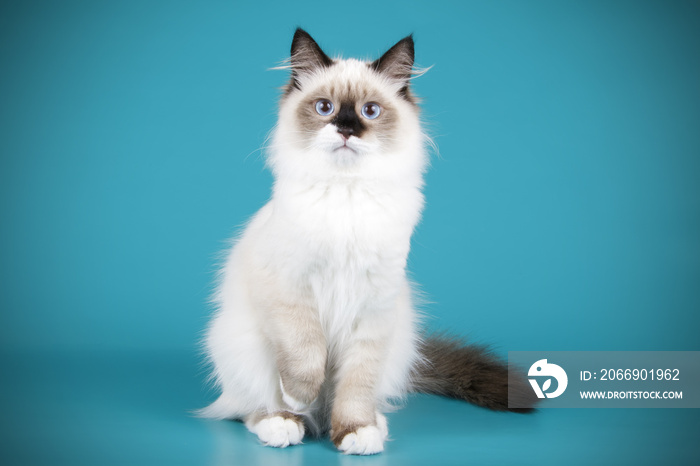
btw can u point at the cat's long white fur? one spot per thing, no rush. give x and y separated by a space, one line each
340 228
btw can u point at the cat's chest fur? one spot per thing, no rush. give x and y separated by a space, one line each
346 242
348 224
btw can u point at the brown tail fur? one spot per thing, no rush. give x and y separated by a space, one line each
470 373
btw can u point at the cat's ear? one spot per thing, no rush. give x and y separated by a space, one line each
397 62
306 55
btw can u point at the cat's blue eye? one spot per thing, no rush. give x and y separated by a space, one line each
371 110
324 107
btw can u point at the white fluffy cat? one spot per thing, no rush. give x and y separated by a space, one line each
315 328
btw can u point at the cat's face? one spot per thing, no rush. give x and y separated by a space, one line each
339 113
348 113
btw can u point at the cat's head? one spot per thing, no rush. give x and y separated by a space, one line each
347 115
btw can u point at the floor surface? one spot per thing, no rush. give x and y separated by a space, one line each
134 409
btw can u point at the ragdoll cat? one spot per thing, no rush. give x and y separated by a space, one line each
315 329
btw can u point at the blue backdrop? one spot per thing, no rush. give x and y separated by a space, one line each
563 211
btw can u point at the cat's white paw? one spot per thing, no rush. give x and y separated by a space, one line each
382 425
367 440
295 405
278 432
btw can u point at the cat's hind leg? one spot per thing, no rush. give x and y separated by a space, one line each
279 429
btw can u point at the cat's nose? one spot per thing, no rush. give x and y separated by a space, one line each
346 132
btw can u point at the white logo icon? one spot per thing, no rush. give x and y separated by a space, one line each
543 369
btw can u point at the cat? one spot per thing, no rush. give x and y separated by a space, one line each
315 329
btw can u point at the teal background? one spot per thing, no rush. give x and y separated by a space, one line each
563 213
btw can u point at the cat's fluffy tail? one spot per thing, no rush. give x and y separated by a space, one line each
471 373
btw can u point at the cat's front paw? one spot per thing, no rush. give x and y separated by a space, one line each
278 431
367 440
